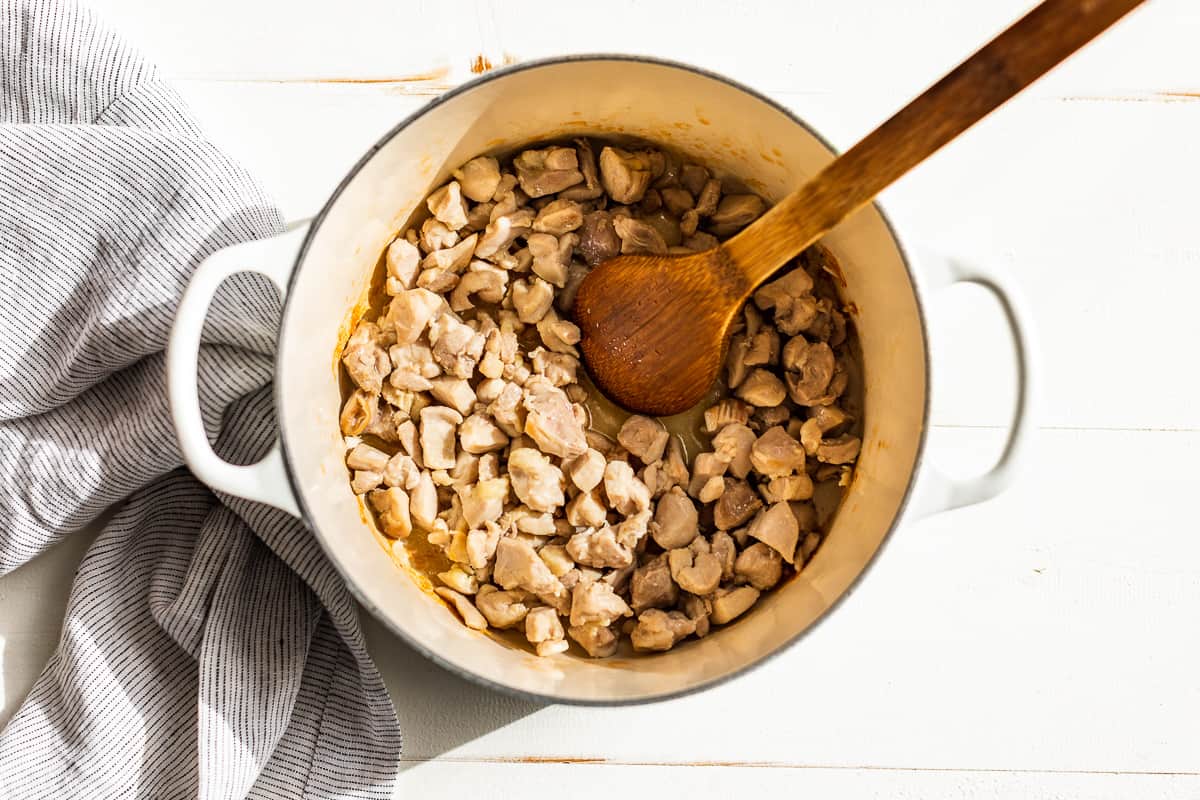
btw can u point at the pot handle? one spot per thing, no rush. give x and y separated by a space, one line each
266 481
937 491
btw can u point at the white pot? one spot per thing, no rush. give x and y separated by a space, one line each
323 269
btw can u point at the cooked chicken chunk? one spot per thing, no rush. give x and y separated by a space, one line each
652 585
595 603
535 481
365 358
732 444
599 548
724 413
518 566
543 172
479 433
479 178
626 494
532 298
559 217
598 641
759 565
403 263
676 521
762 388
737 504
661 630
392 505
503 609
698 573
457 347
470 615
638 236
644 437
624 175
776 454
550 421
542 625
447 205
598 239
777 527
731 604
438 427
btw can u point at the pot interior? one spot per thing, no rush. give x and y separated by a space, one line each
733 132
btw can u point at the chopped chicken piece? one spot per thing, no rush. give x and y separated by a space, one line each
776 454
735 361
481 546
532 298
436 236
841 450
551 256
537 482
633 529
557 559
808 546
706 467
677 200
559 217
365 480
725 412
645 437
587 470
507 409
479 178
484 281
738 503
453 392
626 494
447 205
762 388
365 358
402 471
457 347
711 490
423 502
638 237
478 433
449 260
561 369
810 369
550 421
698 573
676 521
410 311
624 175
363 456
459 581
788 487
485 502
470 615
392 505
438 425
559 335
502 609
543 172
724 548
543 625
735 212
517 565
697 610
661 630
652 585
357 413
403 263
599 548
413 367
587 509
598 641
595 603
763 347
729 605
759 565
733 444
598 239
776 526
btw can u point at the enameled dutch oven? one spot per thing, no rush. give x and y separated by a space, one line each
323 269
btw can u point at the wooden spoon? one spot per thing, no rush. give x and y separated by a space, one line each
656 328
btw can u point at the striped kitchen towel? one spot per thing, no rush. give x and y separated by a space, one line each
209 649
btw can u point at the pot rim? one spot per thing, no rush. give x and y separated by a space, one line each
294 484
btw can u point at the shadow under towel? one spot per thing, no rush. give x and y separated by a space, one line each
209 649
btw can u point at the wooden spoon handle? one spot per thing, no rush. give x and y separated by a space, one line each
1003 67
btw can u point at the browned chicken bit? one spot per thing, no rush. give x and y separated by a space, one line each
470 435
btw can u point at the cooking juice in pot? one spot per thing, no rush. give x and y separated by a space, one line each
496 473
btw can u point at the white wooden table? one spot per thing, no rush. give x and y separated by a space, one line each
1044 644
